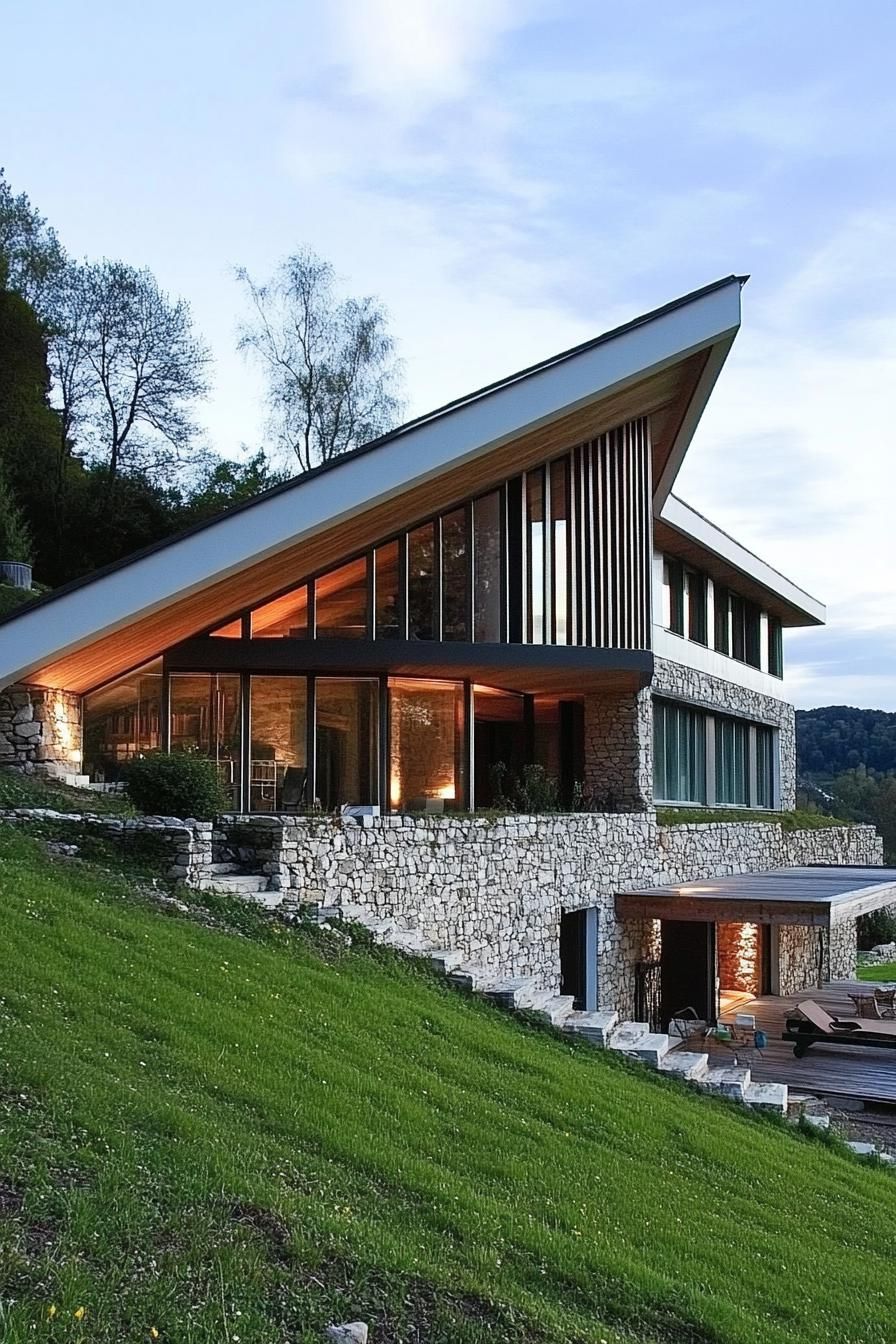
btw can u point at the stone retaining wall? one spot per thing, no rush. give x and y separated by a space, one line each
40 730
183 847
496 889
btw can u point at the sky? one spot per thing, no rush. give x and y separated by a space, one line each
510 178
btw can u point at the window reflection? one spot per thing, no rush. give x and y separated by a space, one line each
421 542
454 575
278 775
205 720
388 609
284 618
121 721
340 601
487 568
426 746
346 741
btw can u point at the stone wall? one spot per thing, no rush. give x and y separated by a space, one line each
183 847
40 730
618 751
496 889
740 952
707 692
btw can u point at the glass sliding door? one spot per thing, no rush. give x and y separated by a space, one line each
346 735
421 590
205 719
278 773
426 748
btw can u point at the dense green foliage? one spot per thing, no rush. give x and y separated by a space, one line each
837 738
877 927
209 1133
176 784
802 819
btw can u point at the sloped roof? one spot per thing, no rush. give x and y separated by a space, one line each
664 364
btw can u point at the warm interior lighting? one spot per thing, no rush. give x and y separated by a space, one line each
447 792
739 949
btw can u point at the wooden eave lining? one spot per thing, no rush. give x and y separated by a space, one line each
730 910
149 635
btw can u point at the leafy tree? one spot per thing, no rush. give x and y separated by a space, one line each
31 255
329 362
225 483
129 367
15 539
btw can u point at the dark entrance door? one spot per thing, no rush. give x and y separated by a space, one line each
572 955
688 969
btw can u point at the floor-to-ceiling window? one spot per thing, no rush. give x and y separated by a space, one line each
121 721
487 581
346 735
455 570
278 766
679 754
340 601
426 748
421 582
732 764
205 719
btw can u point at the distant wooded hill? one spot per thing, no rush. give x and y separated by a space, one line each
838 738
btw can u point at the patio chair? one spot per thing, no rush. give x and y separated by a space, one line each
886 1001
816 1025
865 1004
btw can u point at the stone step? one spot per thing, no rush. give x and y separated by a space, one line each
596 1027
446 959
689 1065
553 1008
222 869
235 884
767 1097
627 1035
516 992
473 976
651 1049
731 1081
409 941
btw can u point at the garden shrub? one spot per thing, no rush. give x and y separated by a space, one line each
176 784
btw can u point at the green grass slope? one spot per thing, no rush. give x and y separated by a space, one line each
241 1133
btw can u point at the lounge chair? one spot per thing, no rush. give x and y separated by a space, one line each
817 1025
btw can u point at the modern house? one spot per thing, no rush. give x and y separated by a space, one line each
508 581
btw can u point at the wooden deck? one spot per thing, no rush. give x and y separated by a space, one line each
862 1072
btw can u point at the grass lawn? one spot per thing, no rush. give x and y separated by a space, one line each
17 790
886 970
239 1134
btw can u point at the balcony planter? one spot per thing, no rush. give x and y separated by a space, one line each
15 573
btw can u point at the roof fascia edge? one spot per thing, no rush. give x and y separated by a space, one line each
676 514
190 563
692 416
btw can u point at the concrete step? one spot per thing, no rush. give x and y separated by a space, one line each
222 869
516 992
815 1121
689 1065
731 1081
767 1097
651 1049
446 959
554 1008
473 976
627 1035
236 884
596 1027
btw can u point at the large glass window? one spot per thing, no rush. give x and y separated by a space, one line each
775 647
122 720
340 601
679 753
673 596
426 750
722 604
346 741
205 719
388 578
285 617
535 612
421 594
278 774
695 589
499 744
487 568
765 766
732 762
455 584
560 551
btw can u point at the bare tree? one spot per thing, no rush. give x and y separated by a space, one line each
127 366
332 376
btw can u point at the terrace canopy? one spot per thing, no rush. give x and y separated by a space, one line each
819 896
